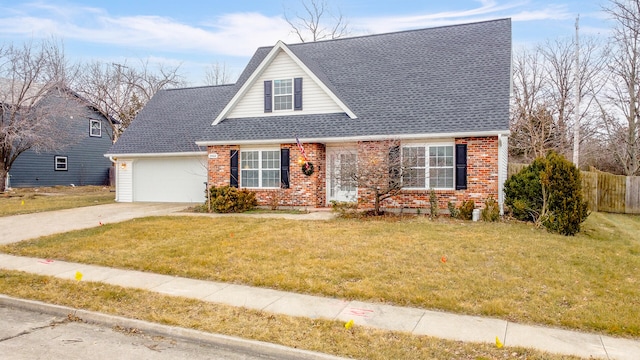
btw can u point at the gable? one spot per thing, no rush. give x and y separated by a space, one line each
315 100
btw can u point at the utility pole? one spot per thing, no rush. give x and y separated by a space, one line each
576 125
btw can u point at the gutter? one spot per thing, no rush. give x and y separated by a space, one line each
357 138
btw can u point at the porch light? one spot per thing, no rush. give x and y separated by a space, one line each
123 165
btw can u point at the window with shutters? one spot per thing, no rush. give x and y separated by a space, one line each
260 168
283 94
428 166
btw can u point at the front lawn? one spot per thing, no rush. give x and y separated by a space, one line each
31 200
508 270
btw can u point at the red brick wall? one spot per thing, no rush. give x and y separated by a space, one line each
310 191
219 168
482 179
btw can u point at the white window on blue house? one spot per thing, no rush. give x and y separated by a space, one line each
95 128
60 163
260 168
428 166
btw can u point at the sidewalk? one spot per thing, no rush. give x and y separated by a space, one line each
412 320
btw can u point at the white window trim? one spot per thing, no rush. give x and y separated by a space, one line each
426 163
260 150
55 163
91 122
273 94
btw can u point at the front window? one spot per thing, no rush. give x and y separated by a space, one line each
283 94
433 172
60 163
95 128
441 167
260 168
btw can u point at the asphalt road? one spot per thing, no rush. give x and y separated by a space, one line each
32 335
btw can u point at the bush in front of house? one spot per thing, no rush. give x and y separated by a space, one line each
227 199
466 210
453 211
549 193
523 191
433 205
491 211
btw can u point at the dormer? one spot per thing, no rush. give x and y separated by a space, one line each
282 85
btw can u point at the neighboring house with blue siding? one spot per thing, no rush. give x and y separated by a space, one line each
80 162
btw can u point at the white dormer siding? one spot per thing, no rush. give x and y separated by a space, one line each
314 99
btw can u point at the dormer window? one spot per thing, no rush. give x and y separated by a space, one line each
282 94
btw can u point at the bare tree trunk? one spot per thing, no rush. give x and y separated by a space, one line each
624 66
3 180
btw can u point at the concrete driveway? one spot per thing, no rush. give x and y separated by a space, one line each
28 226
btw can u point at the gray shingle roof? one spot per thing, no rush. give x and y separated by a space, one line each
173 120
453 79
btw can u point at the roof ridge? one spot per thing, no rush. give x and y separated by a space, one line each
388 33
198 87
397 32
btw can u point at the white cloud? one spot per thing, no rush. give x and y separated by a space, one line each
488 9
237 34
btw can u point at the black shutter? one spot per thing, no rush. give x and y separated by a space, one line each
267 96
394 167
461 166
297 94
234 169
284 168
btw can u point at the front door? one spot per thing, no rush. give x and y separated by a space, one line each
341 166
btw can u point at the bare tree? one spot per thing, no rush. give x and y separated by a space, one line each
543 103
217 74
120 91
531 124
561 71
379 171
32 115
318 22
624 94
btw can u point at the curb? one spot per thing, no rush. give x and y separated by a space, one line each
188 335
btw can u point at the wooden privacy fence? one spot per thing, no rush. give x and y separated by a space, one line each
605 192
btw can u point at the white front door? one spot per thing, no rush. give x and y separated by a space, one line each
341 166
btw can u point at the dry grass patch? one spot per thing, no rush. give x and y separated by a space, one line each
317 335
31 200
511 271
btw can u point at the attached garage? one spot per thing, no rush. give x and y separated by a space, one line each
178 179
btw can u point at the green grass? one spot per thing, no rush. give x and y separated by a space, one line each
31 200
312 334
512 271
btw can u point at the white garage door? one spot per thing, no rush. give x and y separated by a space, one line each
175 179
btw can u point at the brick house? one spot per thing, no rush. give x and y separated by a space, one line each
439 96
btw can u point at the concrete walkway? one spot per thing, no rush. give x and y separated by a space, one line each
28 226
412 320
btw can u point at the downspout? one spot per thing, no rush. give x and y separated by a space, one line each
501 175
114 161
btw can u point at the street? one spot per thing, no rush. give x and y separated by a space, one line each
32 335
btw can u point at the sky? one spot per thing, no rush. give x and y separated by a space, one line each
193 34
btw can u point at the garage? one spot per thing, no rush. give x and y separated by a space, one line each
166 179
